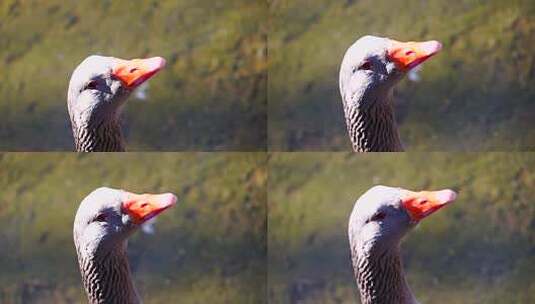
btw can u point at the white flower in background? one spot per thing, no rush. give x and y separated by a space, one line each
141 92
148 226
414 74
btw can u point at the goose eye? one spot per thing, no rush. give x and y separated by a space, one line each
92 85
379 216
366 65
101 218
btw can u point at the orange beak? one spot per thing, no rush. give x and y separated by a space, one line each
136 71
143 207
407 55
422 204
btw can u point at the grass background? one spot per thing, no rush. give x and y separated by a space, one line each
481 249
477 94
213 246
210 96
209 248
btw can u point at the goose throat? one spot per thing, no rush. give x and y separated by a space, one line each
108 279
380 278
103 137
372 126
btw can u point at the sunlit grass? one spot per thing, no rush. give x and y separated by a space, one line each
212 89
476 94
211 245
478 250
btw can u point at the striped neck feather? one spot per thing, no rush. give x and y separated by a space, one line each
380 278
104 137
372 126
108 279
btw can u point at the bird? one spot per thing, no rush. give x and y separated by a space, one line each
381 217
98 90
370 69
105 219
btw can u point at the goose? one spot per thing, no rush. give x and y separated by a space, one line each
379 220
104 221
97 92
370 69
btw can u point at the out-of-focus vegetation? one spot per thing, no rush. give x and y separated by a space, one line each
481 249
211 95
477 94
209 248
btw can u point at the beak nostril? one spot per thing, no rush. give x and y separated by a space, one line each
409 52
133 70
144 205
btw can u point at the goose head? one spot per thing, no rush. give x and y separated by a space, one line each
383 215
100 85
373 65
107 217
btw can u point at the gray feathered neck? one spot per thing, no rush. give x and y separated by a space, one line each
107 279
380 277
372 126
104 136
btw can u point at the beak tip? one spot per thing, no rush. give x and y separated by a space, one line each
168 199
446 196
432 47
157 63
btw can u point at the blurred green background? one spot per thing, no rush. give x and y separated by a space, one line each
210 96
478 94
209 248
481 249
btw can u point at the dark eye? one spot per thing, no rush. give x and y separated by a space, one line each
366 65
379 216
92 85
101 218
